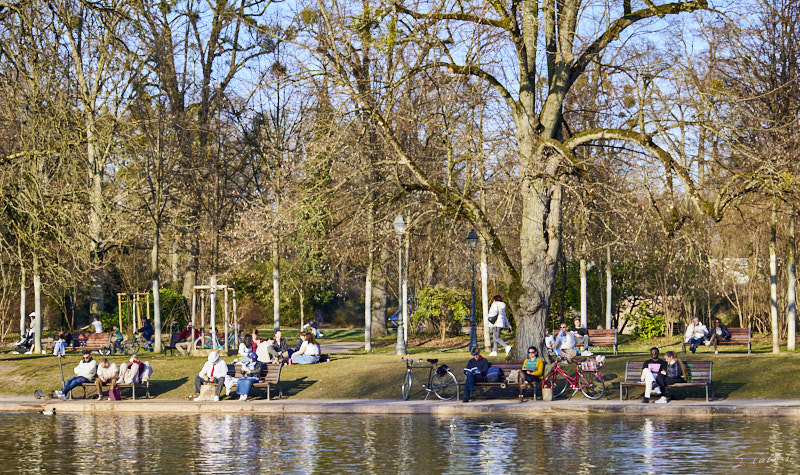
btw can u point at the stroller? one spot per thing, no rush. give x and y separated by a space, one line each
24 345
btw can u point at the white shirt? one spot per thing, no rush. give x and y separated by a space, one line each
499 308
87 369
107 373
698 331
98 326
220 369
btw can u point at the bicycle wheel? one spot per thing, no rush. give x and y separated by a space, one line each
407 381
592 385
130 347
558 383
445 387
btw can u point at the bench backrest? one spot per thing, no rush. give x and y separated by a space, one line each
270 373
507 366
91 339
603 337
738 334
699 371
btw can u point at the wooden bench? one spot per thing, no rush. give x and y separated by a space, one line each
507 367
86 341
699 376
739 336
132 386
270 376
603 338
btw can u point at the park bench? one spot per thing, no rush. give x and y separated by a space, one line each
603 338
507 367
739 336
144 384
699 376
85 341
270 377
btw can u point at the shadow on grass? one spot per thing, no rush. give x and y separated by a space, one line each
296 386
723 390
161 386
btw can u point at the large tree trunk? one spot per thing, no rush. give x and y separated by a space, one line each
539 246
368 300
22 297
37 305
96 239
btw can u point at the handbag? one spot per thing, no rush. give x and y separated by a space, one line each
492 319
114 395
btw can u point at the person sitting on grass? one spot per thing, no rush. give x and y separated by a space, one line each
309 350
654 370
531 372
476 370
719 333
106 375
213 372
279 345
696 334
85 372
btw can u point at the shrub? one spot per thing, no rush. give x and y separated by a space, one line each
443 308
647 325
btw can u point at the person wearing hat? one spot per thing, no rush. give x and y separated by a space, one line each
476 370
213 372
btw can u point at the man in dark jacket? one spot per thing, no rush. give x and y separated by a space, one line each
718 333
476 371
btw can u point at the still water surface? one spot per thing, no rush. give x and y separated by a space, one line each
103 443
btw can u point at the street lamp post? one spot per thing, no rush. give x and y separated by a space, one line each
399 229
472 239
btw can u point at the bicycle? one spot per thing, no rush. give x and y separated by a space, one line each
587 379
442 382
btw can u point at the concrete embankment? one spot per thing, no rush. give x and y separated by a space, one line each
570 408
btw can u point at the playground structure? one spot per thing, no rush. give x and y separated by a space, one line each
210 293
133 303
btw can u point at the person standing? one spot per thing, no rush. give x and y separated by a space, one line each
96 324
85 372
498 320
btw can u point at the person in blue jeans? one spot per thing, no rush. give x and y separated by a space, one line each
309 350
476 370
85 371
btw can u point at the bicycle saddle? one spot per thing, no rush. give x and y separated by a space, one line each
432 361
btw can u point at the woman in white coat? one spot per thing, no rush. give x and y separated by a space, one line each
497 312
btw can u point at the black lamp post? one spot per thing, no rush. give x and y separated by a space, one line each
399 229
472 240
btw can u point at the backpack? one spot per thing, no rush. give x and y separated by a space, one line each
494 375
114 395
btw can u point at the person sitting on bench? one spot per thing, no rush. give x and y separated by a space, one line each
213 372
106 375
654 370
696 334
718 333
85 372
531 372
476 370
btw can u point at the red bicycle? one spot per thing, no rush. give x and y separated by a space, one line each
587 379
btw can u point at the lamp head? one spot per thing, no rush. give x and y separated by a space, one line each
472 239
399 224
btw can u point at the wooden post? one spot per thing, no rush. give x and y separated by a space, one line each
194 322
147 301
202 315
235 318
119 309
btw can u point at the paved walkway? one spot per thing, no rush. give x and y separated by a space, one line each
569 408
339 346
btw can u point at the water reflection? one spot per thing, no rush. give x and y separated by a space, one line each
211 443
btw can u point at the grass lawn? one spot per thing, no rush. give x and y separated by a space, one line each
378 375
